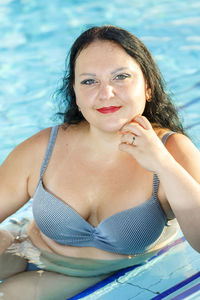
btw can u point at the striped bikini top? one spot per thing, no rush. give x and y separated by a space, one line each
132 231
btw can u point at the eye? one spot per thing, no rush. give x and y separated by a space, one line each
88 81
122 76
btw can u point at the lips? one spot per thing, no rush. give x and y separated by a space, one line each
108 109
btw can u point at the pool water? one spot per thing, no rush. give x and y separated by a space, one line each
35 37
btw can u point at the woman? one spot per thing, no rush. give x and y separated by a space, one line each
109 183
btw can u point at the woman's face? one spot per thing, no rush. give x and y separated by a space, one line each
109 85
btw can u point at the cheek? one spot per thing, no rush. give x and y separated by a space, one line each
85 98
79 96
83 102
133 96
137 92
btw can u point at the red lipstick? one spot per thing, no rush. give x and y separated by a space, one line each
109 109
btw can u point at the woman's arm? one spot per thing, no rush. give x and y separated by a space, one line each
13 189
179 176
177 166
23 163
14 173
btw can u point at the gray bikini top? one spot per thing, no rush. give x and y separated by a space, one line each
132 231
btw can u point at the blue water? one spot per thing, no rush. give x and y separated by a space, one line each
36 35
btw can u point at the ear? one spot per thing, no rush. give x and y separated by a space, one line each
148 94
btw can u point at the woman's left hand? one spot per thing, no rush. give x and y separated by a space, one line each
140 140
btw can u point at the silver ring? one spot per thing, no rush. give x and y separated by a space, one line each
133 140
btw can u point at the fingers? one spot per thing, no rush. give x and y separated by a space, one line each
135 129
135 133
137 126
128 138
143 121
126 148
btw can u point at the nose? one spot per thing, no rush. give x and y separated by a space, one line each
106 91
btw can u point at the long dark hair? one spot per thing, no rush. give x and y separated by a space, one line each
160 110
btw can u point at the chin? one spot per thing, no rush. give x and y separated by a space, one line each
113 127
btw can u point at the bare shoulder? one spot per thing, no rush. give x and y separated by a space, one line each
37 141
185 153
40 137
27 153
34 145
16 170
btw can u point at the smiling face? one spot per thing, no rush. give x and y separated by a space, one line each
109 85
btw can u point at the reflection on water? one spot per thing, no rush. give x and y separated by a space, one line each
36 35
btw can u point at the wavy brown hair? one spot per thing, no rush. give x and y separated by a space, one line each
160 110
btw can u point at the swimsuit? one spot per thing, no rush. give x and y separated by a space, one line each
132 231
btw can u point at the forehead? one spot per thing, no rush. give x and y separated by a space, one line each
101 51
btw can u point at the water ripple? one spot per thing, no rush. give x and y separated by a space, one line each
36 35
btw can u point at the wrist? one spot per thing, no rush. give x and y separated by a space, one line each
166 164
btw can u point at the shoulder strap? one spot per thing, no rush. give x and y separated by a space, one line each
166 135
155 184
51 143
155 176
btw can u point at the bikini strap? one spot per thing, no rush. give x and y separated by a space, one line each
155 176
166 135
155 184
51 143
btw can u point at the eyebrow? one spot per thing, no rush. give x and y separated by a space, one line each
87 74
113 72
119 69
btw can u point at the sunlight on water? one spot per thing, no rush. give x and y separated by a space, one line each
35 37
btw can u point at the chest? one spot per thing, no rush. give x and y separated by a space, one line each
96 191
133 230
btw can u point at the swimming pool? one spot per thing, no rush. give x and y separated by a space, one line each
35 36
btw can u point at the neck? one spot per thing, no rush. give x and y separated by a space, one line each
104 144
